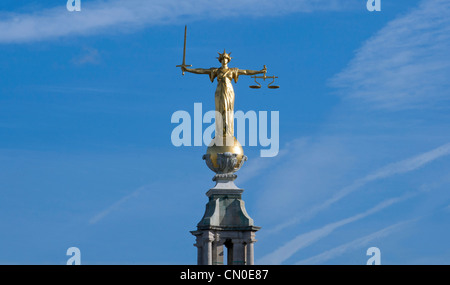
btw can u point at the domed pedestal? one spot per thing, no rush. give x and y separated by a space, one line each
224 156
226 224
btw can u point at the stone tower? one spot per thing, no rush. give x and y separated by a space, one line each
226 228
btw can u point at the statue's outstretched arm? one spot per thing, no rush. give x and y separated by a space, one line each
196 70
252 72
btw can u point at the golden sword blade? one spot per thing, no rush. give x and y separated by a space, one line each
184 51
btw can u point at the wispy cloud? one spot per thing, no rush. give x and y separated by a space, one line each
254 167
65 89
116 205
89 56
101 16
355 244
392 169
405 65
303 240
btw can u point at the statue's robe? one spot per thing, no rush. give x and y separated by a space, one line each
224 98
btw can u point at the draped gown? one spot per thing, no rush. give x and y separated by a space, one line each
224 98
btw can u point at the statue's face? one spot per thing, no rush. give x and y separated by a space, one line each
225 61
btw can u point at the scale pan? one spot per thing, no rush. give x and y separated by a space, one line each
255 86
273 87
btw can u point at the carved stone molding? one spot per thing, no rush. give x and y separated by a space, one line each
226 163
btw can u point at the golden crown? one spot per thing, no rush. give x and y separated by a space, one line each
224 55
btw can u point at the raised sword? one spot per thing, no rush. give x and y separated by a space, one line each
184 51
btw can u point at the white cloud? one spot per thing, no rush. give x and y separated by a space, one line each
100 216
392 169
355 244
256 165
89 56
103 16
303 177
405 65
306 239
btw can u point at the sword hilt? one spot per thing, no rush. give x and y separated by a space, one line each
184 65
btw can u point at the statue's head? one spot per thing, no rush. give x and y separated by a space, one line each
224 55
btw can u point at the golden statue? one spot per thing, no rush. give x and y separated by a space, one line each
224 96
224 140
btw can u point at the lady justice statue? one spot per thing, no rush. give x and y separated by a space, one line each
224 96
224 141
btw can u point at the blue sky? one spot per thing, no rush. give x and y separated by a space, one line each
86 100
